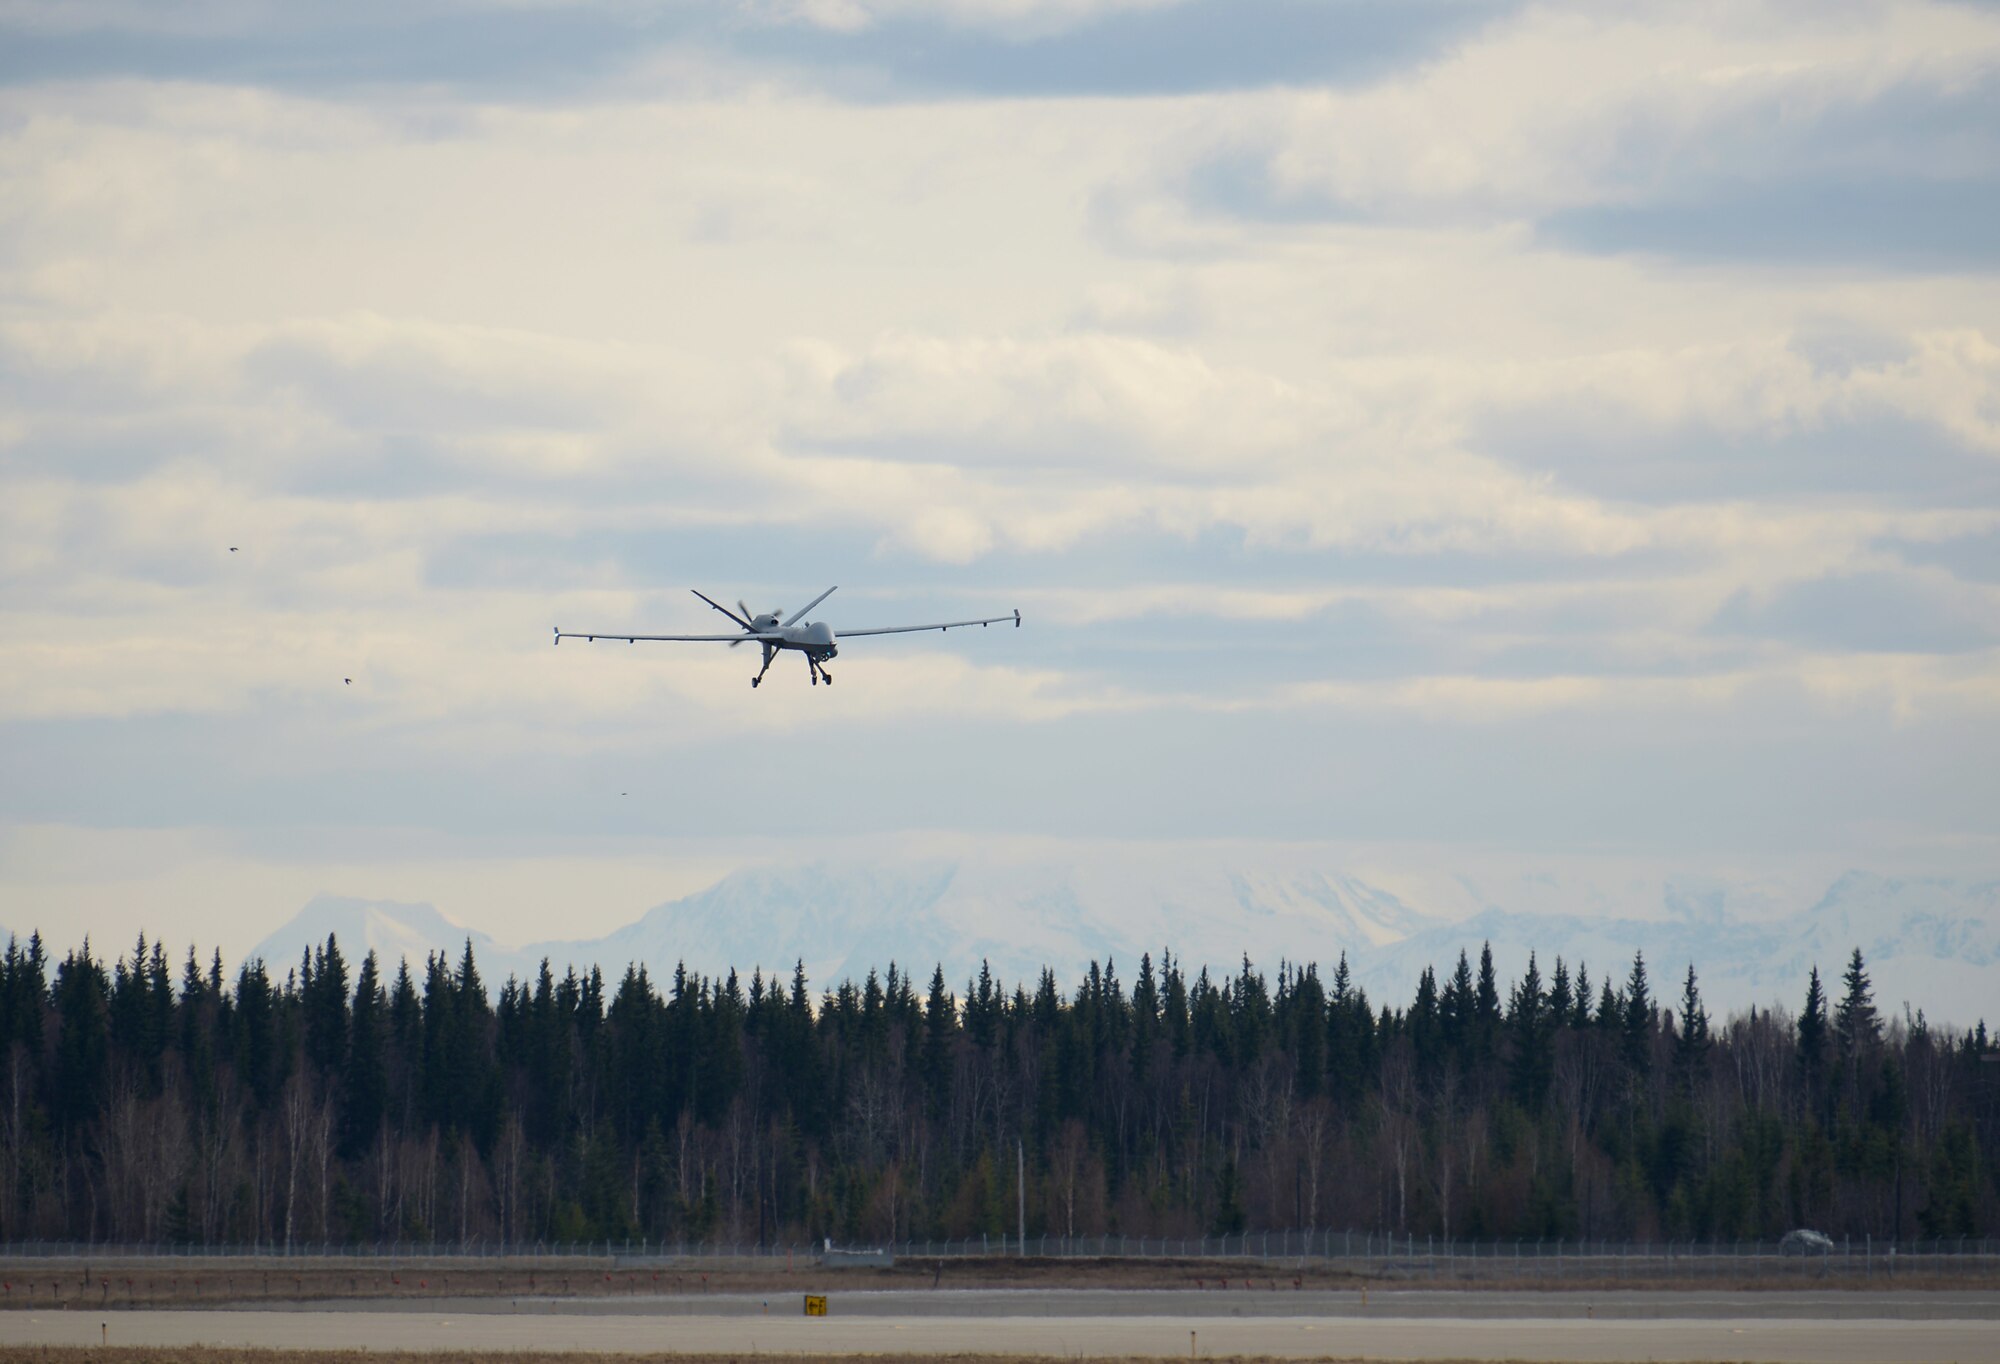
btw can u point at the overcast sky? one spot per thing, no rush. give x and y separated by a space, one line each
1551 432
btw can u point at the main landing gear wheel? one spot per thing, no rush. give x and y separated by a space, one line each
755 681
827 675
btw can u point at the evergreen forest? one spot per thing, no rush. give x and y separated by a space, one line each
347 1102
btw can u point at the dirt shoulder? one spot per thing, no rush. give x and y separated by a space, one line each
176 1282
207 1355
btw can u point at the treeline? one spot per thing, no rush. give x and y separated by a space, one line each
335 1103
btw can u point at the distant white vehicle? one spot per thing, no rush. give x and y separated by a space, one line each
817 640
1804 1242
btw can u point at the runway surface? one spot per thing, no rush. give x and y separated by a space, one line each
1176 1303
1832 1327
1898 1342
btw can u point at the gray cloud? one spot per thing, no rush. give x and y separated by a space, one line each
1900 222
1889 460
1975 558
786 558
311 48
1195 46
1241 185
1900 180
1689 778
398 386
1877 611
1406 534
533 52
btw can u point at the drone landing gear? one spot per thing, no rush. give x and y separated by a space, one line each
819 672
759 678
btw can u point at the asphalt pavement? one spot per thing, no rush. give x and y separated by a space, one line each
1838 1328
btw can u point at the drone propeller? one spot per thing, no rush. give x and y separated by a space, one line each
746 615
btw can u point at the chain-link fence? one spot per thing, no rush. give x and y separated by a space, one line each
1364 1253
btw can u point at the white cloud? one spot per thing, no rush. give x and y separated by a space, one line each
1567 105
1012 18
450 372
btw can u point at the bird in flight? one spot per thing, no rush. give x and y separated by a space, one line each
346 681
818 641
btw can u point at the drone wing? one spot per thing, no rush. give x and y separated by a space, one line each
917 629
737 638
742 620
799 614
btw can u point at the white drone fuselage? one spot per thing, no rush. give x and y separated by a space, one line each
813 637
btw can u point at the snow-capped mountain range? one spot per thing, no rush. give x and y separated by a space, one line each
1933 943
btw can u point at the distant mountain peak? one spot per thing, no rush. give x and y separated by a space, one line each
394 930
1931 941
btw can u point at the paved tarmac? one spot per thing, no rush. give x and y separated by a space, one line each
1958 1328
1484 1305
1791 1342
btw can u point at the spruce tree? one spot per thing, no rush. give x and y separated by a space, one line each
982 1008
1560 997
1691 1045
196 1019
324 1004
160 999
1812 1028
365 1081
1456 1010
1310 1025
1855 1023
1425 1024
940 1025
83 1046
1174 1011
406 1034
1485 1008
1636 1034
1529 1022
258 1049
1346 1029
1146 1019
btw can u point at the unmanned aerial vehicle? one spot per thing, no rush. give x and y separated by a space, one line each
818 641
